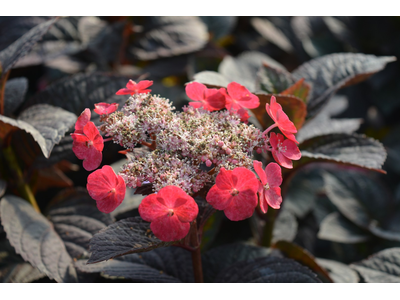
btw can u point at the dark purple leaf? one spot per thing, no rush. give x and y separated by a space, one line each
337 228
169 36
3 186
339 272
126 236
45 123
267 270
34 238
285 227
349 149
273 80
383 267
76 219
329 73
14 94
10 55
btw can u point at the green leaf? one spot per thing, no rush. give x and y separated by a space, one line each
339 272
34 238
291 105
337 228
349 149
329 73
169 36
45 123
383 267
267 270
19 48
126 236
302 256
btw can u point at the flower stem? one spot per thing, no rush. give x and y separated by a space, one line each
196 254
266 131
23 188
270 217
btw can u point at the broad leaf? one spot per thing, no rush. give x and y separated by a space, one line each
329 73
337 228
300 89
302 256
219 26
273 80
14 94
285 227
300 196
383 267
349 149
126 236
76 219
169 36
45 123
339 272
34 238
117 269
272 33
211 79
220 258
323 125
10 55
3 186
267 270
292 106
244 68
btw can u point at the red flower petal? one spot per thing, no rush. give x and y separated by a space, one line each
245 179
292 151
242 96
144 84
242 206
274 174
93 134
103 108
273 197
195 91
209 99
152 208
83 119
92 160
107 188
260 172
169 229
124 92
135 88
218 198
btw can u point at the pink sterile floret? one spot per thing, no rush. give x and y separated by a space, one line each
281 120
170 212
103 108
284 151
269 190
238 98
209 99
234 192
83 119
107 188
88 146
136 88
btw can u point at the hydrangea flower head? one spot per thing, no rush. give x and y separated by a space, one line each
170 212
136 88
103 108
281 120
269 190
107 188
208 99
88 146
234 192
284 150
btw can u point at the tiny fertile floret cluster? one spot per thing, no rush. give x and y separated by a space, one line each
209 142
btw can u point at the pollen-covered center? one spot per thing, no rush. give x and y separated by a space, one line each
89 143
234 192
170 212
281 148
112 190
266 186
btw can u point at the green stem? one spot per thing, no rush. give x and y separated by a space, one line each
269 227
23 188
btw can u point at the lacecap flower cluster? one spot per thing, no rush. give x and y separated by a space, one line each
209 142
